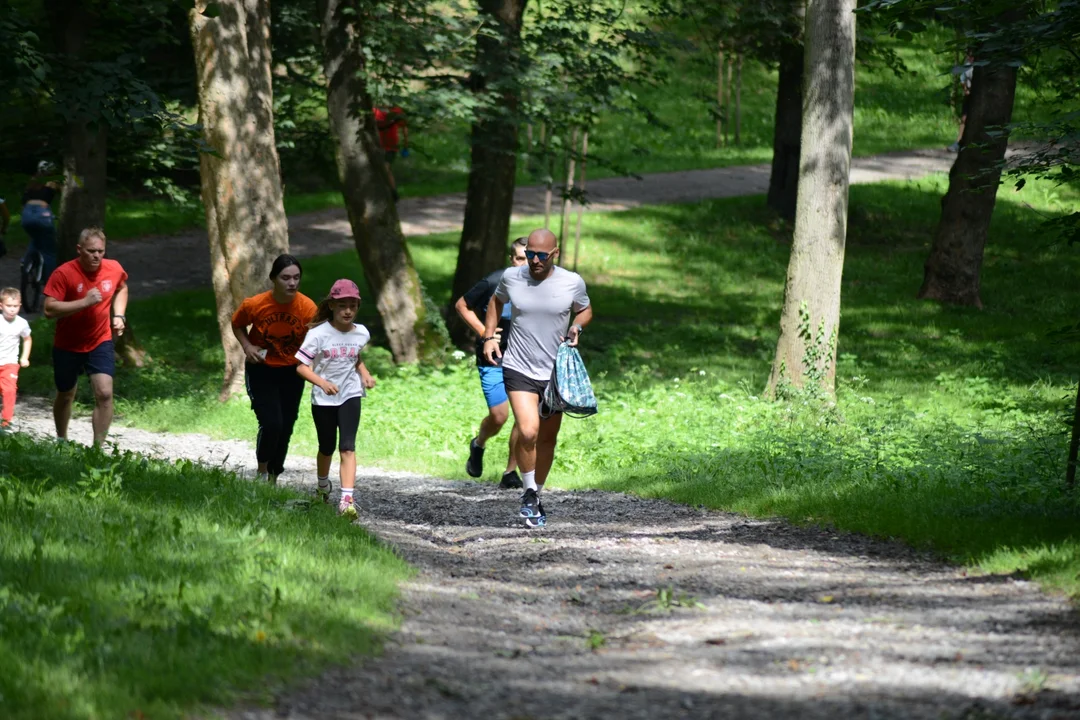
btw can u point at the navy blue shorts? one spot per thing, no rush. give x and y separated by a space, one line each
68 365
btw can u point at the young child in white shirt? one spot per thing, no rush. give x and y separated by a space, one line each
330 360
13 328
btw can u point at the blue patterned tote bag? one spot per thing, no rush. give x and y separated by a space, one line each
569 391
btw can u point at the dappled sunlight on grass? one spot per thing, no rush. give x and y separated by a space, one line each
947 429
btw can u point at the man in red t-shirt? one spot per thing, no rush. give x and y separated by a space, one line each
81 295
389 122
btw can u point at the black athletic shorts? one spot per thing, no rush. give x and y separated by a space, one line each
514 381
337 424
389 156
68 365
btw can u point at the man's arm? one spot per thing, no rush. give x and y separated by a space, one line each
119 307
581 319
56 309
469 316
491 346
5 218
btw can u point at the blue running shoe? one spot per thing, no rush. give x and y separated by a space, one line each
537 521
530 504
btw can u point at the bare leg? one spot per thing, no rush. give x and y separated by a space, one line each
62 411
493 422
102 385
511 457
545 447
322 464
527 422
348 469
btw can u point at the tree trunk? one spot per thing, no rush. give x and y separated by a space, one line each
489 199
241 180
784 179
365 185
720 96
738 99
571 161
727 98
581 204
810 319
82 202
952 270
1074 445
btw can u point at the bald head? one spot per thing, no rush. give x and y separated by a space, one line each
541 251
542 240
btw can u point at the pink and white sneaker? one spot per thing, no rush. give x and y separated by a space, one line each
347 507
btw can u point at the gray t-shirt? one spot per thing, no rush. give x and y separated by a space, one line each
539 317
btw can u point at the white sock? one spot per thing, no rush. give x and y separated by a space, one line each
528 479
324 480
346 492
478 443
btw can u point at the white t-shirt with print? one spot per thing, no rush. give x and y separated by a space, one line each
333 355
10 335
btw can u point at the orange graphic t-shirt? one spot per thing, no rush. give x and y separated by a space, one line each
278 328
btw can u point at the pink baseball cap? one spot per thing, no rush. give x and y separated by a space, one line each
344 289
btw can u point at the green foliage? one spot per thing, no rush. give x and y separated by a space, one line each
137 588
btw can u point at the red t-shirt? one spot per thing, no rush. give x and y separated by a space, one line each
388 128
85 330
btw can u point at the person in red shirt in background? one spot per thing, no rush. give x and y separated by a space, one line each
87 297
389 122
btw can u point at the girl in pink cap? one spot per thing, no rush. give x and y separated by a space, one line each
330 360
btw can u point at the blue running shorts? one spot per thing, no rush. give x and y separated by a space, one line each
491 381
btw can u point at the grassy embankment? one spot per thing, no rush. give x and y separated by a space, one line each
134 588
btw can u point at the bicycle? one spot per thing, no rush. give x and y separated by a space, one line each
30 272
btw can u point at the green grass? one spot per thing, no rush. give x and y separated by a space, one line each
947 430
136 588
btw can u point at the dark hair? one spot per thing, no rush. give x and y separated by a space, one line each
283 261
522 241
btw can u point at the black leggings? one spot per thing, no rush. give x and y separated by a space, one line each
275 394
329 419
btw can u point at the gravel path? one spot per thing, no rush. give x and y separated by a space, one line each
167 263
764 620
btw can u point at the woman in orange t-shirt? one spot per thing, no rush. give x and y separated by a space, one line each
278 321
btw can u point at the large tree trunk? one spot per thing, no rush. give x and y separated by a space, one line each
490 196
952 270
784 178
241 180
82 203
365 186
810 320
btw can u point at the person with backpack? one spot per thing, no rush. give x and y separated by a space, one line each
543 297
330 360
471 307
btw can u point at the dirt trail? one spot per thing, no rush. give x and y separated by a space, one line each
167 263
764 620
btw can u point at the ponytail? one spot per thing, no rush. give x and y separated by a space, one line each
324 313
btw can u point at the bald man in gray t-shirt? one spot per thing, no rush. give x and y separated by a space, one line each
542 297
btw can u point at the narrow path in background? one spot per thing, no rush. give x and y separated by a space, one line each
757 618
162 264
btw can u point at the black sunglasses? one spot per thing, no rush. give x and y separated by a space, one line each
543 256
